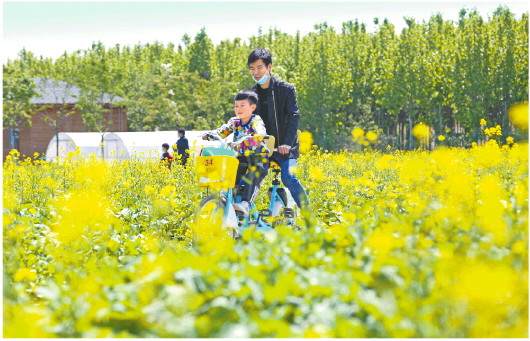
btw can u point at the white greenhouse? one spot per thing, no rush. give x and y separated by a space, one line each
68 142
123 145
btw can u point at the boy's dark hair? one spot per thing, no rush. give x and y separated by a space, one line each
251 96
262 54
165 145
182 131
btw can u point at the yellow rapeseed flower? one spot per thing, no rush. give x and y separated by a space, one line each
357 132
306 141
371 136
422 132
485 285
518 115
519 247
25 274
316 173
483 122
441 138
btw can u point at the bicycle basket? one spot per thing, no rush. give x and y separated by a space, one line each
217 172
214 151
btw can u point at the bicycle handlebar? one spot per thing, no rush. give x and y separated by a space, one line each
213 136
248 137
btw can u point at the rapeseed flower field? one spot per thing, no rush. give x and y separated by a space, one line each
397 244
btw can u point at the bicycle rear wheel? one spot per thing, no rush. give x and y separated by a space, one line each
286 217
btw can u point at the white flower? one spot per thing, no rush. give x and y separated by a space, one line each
171 92
166 67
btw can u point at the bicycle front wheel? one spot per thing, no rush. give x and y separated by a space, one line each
208 218
210 211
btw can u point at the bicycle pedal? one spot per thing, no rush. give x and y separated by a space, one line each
265 213
288 212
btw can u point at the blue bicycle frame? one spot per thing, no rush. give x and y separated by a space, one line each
244 224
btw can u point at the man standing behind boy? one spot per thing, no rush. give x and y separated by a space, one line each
278 108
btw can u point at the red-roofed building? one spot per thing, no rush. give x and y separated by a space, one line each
51 96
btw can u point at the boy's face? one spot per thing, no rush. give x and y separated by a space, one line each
243 109
164 149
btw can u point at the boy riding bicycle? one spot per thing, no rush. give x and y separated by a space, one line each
253 153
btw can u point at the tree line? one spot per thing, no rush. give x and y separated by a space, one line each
448 75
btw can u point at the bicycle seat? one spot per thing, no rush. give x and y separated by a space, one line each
273 164
270 144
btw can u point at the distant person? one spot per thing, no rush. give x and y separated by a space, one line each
166 156
183 147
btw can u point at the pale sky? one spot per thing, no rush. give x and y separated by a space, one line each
50 28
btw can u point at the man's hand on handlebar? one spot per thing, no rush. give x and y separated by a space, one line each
284 149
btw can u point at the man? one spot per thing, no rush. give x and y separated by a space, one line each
278 108
182 147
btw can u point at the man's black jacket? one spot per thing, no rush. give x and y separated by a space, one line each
283 113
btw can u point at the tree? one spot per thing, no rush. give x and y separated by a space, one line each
102 80
58 77
18 90
200 55
438 86
502 65
471 72
443 73
318 93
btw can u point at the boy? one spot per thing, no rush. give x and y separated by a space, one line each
166 157
253 153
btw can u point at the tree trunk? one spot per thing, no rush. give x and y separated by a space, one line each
505 122
440 119
410 132
57 140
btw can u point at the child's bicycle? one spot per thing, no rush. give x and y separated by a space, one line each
217 169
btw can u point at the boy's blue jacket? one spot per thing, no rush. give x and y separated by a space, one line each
287 116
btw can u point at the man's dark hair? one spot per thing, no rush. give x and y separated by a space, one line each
182 131
165 145
247 94
262 54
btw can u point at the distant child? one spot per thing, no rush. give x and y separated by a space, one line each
166 157
253 153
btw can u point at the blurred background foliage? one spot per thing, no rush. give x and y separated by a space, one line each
445 74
